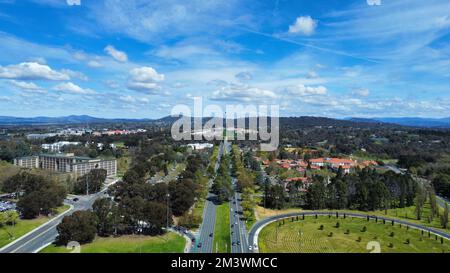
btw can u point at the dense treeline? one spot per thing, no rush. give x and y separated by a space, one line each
38 195
137 206
365 190
222 182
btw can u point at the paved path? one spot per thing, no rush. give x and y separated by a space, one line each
258 226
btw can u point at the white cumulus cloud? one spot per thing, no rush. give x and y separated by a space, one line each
303 25
302 90
27 86
118 55
72 88
74 2
242 93
144 79
31 71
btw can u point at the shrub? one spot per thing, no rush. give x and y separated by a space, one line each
337 225
407 241
321 227
391 245
364 229
331 234
392 234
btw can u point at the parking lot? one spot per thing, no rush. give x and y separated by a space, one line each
7 205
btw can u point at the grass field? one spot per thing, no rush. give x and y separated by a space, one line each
23 226
222 238
123 164
306 236
168 243
406 214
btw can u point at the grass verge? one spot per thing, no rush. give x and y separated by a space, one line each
221 242
167 243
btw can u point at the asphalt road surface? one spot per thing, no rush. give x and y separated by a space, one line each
239 242
253 234
47 233
204 244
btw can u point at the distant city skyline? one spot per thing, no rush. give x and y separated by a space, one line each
138 59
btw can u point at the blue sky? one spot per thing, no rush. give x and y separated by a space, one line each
138 59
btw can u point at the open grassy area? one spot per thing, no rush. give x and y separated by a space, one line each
306 236
24 226
222 239
406 214
168 243
123 164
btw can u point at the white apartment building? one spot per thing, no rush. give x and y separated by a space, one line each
56 147
68 163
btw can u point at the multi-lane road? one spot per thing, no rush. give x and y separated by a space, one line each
47 233
204 243
238 229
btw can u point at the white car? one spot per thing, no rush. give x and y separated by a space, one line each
250 248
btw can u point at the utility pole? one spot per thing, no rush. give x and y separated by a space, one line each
167 210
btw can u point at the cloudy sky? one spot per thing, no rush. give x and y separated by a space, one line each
139 58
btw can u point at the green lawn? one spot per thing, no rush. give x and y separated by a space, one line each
168 243
305 236
222 238
23 226
406 214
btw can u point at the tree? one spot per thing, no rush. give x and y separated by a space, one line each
91 182
276 197
155 216
441 185
39 195
434 209
181 197
420 202
316 195
81 227
249 202
444 217
104 210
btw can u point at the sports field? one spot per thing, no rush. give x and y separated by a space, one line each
351 235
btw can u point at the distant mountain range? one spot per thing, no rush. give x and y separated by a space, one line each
408 121
297 121
5 120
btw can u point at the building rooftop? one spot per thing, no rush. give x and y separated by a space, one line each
67 156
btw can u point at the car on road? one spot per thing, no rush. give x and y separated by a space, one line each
250 248
238 243
199 245
76 199
211 234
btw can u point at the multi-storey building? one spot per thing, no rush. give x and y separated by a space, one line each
29 162
68 163
56 147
